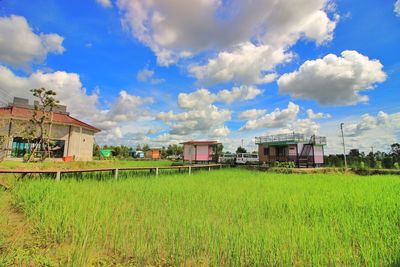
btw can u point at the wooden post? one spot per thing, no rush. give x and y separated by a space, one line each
58 176
156 171
116 174
190 170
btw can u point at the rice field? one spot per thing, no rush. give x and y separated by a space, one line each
226 217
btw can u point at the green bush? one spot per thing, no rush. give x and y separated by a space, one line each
288 164
396 166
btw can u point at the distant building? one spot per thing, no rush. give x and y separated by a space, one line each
153 153
304 151
199 151
71 136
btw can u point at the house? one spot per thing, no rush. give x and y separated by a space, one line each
294 147
199 151
71 137
153 153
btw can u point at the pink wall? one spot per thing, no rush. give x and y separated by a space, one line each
204 152
318 154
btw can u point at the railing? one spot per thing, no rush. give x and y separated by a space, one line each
281 158
293 137
114 171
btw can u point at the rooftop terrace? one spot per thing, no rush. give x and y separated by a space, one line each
291 138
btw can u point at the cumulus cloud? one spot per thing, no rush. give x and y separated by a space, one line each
71 93
318 115
147 75
220 132
104 3
276 119
251 114
248 64
201 115
20 46
397 7
368 122
378 131
223 25
202 97
125 108
334 80
207 120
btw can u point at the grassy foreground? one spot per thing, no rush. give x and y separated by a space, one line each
11 164
225 217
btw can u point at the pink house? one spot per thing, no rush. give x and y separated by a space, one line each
199 151
304 151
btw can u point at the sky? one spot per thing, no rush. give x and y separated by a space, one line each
163 72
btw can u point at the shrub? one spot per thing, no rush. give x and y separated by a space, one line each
396 165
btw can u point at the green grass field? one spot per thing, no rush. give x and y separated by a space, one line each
10 164
221 218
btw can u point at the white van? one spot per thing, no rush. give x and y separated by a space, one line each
247 158
227 158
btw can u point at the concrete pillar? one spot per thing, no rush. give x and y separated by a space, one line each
58 176
156 171
190 170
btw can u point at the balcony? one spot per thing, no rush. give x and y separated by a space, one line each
292 138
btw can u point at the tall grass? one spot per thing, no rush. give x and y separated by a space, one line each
227 217
12 164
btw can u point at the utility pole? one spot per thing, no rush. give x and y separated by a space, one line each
344 146
242 143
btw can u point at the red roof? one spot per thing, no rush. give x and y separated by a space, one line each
26 113
201 143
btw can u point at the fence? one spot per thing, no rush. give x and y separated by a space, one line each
114 171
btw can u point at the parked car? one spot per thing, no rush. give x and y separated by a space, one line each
247 158
227 158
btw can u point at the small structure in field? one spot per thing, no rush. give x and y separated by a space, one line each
200 151
294 147
72 138
153 153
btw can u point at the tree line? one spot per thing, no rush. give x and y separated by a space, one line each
377 160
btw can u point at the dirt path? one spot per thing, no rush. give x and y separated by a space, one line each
19 246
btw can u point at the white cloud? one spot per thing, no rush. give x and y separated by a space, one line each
146 75
202 97
20 46
369 122
251 114
334 80
221 25
241 93
105 3
276 119
379 131
248 64
71 93
125 108
220 132
206 120
397 7
318 115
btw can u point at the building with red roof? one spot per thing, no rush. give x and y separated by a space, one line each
71 136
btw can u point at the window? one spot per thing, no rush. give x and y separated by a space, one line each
266 151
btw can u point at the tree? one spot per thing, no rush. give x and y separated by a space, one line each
241 150
41 118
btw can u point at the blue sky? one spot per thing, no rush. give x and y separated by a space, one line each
167 71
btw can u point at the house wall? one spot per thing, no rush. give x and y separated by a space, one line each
80 144
153 154
200 152
318 154
261 155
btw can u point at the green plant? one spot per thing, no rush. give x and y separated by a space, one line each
396 165
229 217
